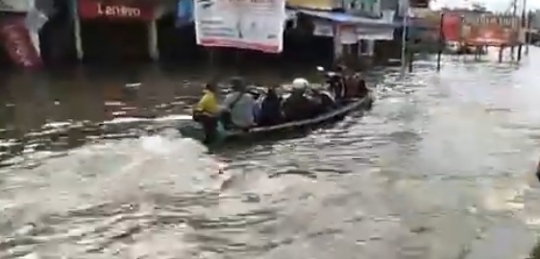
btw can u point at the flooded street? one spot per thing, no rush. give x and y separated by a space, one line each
439 168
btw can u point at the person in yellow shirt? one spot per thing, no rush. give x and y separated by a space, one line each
207 112
208 104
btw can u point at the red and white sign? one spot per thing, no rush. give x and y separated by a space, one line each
91 9
15 6
16 40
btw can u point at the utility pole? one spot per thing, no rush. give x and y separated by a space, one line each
522 29
527 22
514 13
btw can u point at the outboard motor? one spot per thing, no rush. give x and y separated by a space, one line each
335 82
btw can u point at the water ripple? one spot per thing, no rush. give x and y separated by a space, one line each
435 170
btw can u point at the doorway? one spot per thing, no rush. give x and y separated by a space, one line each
106 41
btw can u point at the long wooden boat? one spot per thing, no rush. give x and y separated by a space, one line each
195 131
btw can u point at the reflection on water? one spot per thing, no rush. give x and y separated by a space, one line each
436 170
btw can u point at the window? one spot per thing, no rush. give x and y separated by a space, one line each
419 3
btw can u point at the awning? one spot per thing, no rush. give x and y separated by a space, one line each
350 19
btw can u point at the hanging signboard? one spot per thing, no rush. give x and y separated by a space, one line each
17 42
243 24
17 6
91 9
347 35
451 27
324 29
490 30
488 35
313 4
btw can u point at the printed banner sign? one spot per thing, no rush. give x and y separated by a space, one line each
17 6
324 29
17 42
243 24
90 9
312 4
489 35
451 27
490 30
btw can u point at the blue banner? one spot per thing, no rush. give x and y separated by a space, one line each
184 13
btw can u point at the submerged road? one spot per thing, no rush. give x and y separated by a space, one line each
439 168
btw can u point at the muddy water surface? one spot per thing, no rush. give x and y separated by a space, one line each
437 169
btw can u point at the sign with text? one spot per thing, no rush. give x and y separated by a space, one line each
490 30
243 24
17 6
91 9
313 4
488 35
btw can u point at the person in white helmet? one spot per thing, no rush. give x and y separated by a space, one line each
298 106
300 84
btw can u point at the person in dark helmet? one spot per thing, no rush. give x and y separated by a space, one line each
207 111
239 105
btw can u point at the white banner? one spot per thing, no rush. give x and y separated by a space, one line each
18 6
243 24
375 34
348 35
323 29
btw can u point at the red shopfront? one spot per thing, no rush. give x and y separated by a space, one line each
118 30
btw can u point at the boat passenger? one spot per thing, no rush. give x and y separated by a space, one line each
325 102
240 106
355 87
257 109
206 112
270 113
298 106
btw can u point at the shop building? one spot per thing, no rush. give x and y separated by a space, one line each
352 25
116 30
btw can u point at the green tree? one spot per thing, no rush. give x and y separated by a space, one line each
478 7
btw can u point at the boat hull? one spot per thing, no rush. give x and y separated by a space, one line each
195 131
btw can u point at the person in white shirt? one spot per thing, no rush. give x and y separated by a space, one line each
240 105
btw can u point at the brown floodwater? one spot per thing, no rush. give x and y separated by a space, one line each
92 167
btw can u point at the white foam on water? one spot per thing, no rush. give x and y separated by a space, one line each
125 120
111 171
175 117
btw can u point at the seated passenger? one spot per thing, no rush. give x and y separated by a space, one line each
356 87
326 102
270 113
257 109
206 112
297 106
335 83
240 105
